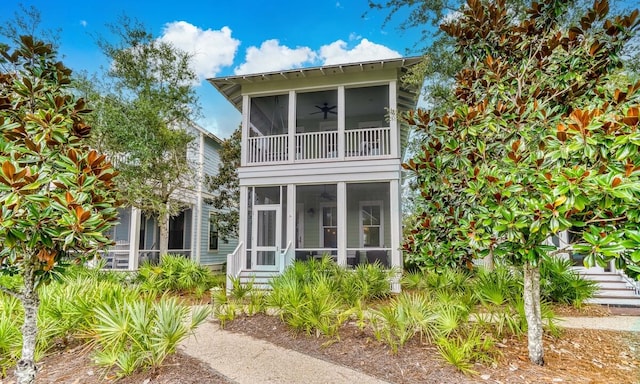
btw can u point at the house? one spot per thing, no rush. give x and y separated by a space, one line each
321 162
192 233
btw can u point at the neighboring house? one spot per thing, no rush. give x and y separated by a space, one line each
321 162
192 233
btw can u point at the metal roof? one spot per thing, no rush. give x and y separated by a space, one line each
231 86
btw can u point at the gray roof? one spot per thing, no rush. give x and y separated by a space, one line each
231 86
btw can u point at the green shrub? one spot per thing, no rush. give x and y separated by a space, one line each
561 284
176 273
140 334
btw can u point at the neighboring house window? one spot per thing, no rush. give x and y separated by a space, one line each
329 226
213 234
371 229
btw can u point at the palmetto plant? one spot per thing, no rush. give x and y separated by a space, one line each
175 273
142 333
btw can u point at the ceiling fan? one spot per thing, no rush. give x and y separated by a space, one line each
325 109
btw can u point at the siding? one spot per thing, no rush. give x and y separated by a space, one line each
210 167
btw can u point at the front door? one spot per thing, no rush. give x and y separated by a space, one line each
266 237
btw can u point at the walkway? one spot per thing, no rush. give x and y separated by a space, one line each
247 360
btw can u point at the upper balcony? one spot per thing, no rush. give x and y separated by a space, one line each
329 125
334 113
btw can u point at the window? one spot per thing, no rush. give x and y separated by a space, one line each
329 225
213 234
371 230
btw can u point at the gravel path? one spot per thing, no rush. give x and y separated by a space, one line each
611 323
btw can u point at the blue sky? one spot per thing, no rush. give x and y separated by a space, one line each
229 37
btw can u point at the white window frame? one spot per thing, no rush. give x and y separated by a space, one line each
361 226
321 217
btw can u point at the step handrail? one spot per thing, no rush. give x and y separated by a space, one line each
635 285
284 256
234 265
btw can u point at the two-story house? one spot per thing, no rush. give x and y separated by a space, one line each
321 162
192 233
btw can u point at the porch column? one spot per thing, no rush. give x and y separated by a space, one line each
242 226
245 130
134 238
396 231
393 120
341 117
291 223
292 126
342 223
196 244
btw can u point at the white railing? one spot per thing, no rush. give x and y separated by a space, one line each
234 265
316 145
310 146
368 142
285 257
268 149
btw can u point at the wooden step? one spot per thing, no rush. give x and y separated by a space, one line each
615 292
616 301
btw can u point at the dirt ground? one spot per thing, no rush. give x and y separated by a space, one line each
578 356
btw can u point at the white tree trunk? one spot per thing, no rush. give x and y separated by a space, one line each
532 313
26 367
163 224
489 264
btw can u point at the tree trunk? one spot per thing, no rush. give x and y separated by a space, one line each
163 224
26 366
532 313
489 264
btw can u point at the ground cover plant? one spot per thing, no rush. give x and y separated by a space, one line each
461 314
126 327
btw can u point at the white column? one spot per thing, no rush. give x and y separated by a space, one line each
134 238
393 119
245 129
291 222
242 226
342 223
341 117
396 230
292 126
196 245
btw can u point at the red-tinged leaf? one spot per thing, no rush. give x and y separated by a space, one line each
515 145
616 181
8 170
595 47
508 184
619 96
491 179
68 197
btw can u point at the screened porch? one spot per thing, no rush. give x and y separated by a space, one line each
320 129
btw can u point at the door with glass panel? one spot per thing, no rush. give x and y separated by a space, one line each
266 237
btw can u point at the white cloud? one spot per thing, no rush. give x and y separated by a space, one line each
271 56
451 17
338 53
211 49
83 23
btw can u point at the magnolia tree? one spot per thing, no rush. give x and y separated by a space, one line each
543 137
56 194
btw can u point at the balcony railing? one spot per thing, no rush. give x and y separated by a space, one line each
268 149
312 146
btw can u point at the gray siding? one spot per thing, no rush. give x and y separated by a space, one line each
210 166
